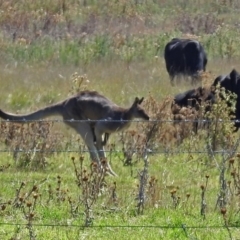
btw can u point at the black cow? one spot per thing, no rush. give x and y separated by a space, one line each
195 97
231 83
192 100
185 57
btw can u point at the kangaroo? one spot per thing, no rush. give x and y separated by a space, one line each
106 118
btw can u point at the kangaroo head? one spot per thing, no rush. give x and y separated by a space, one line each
137 110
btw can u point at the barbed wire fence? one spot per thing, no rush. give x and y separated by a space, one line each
201 122
148 152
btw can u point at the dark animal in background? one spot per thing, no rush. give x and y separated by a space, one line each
231 83
185 57
186 105
194 98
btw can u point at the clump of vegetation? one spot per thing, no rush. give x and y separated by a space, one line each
90 185
31 144
220 126
78 83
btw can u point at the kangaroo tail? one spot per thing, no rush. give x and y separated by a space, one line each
52 110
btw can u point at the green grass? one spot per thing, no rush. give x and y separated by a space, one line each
117 219
116 47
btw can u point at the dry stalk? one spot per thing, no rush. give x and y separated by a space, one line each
143 175
224 214
90 184
203 198
27 202
175 198
153 191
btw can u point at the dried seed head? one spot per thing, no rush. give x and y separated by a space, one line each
231 160
103 162
85 179
173 191
223 211
23 184
152 178
31 215
238 155
20 199
29 204
188 195
133 132
35 195
34 188
94 164
81 158
207 176
202 187
3 207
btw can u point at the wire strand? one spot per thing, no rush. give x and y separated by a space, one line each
135 120
120 226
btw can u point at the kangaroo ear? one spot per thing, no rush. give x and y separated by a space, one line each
136 101
140 100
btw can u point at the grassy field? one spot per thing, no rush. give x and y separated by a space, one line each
51 49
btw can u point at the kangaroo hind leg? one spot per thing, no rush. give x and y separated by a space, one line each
87 135
101 152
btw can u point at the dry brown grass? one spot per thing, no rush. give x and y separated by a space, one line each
30 144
